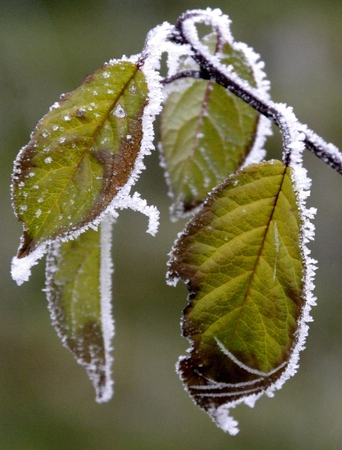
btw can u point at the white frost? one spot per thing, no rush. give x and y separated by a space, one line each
243 366
21 267
224 420
302 186
106 271
136 203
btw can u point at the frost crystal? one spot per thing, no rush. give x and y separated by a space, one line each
226 422
21 267
302 186
106 272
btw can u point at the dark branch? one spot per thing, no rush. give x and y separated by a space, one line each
324 151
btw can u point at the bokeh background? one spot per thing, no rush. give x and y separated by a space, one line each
46 400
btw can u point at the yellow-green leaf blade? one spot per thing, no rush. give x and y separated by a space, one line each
242 260
81 153
206 133
79 303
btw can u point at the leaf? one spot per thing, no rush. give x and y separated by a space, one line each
242 261
206 132
78 292
80 155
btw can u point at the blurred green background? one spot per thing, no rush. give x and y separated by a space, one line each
46 400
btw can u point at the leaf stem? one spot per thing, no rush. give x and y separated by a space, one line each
184 74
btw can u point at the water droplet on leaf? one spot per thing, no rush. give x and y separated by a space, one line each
119 112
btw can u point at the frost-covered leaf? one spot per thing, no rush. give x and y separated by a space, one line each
80 154
206 132
242 259
78 274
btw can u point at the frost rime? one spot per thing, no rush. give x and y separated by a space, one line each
21 267
106 272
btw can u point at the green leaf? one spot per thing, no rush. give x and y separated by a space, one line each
242 261
80 154
79 303
206 133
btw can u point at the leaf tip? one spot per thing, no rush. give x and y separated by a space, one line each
224 420
27 245
104 391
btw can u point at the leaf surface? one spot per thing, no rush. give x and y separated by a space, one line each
80 154
80 306
206 133
241 259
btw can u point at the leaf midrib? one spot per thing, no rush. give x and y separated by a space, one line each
254 270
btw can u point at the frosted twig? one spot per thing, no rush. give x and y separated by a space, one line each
211 68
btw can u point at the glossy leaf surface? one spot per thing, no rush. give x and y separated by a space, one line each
241 259
206 133
74 297
80 154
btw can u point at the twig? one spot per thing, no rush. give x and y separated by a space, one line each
215 71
